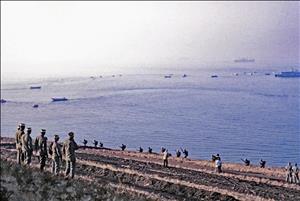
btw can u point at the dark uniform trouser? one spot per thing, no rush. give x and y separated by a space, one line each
55 166
19 156
165 162
42 160
70 167
289 177
27 157
296 178
219 169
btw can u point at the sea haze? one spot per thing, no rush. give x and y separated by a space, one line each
237 115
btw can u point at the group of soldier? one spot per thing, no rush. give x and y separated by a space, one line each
292 173
25 147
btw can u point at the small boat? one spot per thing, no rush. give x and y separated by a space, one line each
244 60
35 106
59 99
288 74
184 75
3 101
214 76
168 76
35 87
267 73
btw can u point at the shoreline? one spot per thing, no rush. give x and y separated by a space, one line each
144 172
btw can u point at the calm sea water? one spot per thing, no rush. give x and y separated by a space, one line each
245 116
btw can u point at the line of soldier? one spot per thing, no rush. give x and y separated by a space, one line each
25 148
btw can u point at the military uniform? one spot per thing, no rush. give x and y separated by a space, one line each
289 170
165 158
41 149
20 132
55 151
296 174
27 146
69 148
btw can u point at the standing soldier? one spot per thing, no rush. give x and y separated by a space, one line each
141 149
27 148
289 170
150 150
178 153
296 173
218 163
69 148
55 152
41 148
19 133
165 158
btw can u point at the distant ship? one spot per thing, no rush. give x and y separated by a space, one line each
35 87
59 99
244 60
292 73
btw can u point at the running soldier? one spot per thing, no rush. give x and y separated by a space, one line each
27 147
69 148
41 148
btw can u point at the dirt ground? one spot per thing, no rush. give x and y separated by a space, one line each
184 179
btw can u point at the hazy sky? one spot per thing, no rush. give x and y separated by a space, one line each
47 38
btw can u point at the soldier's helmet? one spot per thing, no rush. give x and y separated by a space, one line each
71 134
43 131
56 137
28 130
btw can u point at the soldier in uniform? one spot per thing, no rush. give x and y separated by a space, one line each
289 170
141 149
19 133
123 147
262 163
101 144
41 148
185 152
296 174
178 153
246 161
95 143
55 152
69 148
218 165
27 147
85 142
165 158
150 150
